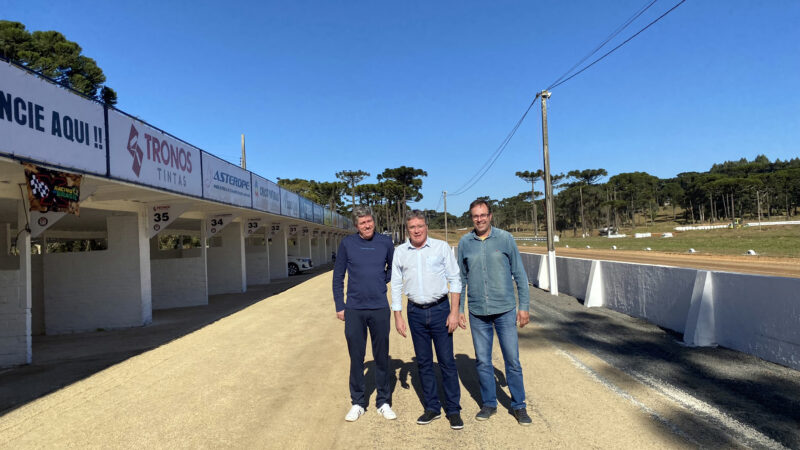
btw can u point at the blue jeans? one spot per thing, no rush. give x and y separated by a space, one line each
430 326
356 324
483 328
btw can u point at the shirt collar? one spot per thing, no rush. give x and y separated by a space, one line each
411 247
475 236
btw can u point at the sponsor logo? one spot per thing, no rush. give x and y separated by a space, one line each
173 159
135 151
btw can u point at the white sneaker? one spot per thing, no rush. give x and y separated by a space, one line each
386 412
355 412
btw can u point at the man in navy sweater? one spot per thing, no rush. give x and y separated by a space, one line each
366 257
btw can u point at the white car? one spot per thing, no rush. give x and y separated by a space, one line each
298 264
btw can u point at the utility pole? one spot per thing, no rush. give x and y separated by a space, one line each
548 192
445 217
244 157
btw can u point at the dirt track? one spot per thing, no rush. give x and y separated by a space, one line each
781 267
274 375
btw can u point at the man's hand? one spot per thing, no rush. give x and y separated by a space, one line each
452 322
399 323
462 321
340 315
523 317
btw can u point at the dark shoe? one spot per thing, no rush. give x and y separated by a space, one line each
455 421
485 413
428 417
522 417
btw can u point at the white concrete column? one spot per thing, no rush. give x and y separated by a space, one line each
145 280
326 249
304 245
278 261
316 250
227 271
15 296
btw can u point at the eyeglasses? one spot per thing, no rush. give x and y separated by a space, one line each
479 216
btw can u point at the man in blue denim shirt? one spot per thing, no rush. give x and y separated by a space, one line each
490 265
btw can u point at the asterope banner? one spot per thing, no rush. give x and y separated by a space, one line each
52 191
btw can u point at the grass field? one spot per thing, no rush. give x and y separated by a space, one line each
775 241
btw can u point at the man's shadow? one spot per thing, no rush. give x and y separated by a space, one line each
469 378
407 375
404 372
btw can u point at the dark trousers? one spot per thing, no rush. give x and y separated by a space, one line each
429 326
356 324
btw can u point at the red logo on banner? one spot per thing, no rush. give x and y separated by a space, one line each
135 150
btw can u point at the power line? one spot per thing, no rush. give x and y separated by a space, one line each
615 48
606 41
492 159
561 80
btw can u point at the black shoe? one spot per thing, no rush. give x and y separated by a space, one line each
428 417
522 417
485 413
455 421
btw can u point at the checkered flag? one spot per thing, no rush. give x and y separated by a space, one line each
39 188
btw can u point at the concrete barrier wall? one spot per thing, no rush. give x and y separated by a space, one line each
754 314
661 295
101 289
759 315
575 275
178 282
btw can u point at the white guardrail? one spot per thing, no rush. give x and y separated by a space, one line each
755 314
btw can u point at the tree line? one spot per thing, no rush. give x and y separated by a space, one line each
388 198
729 191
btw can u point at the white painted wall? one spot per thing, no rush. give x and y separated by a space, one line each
178 282
278 263
101 289
37 295
257 264
14 318
226 264
178 277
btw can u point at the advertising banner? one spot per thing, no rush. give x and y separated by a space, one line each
306 209
225 182
45 122
145 155
319 213
266 195
52 191
290 203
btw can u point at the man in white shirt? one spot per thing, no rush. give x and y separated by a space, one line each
422 268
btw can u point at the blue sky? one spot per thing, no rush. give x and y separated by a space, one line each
321 86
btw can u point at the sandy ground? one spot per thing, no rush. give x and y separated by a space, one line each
274 375
781 267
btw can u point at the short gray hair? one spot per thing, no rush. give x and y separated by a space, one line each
416 214
361 211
